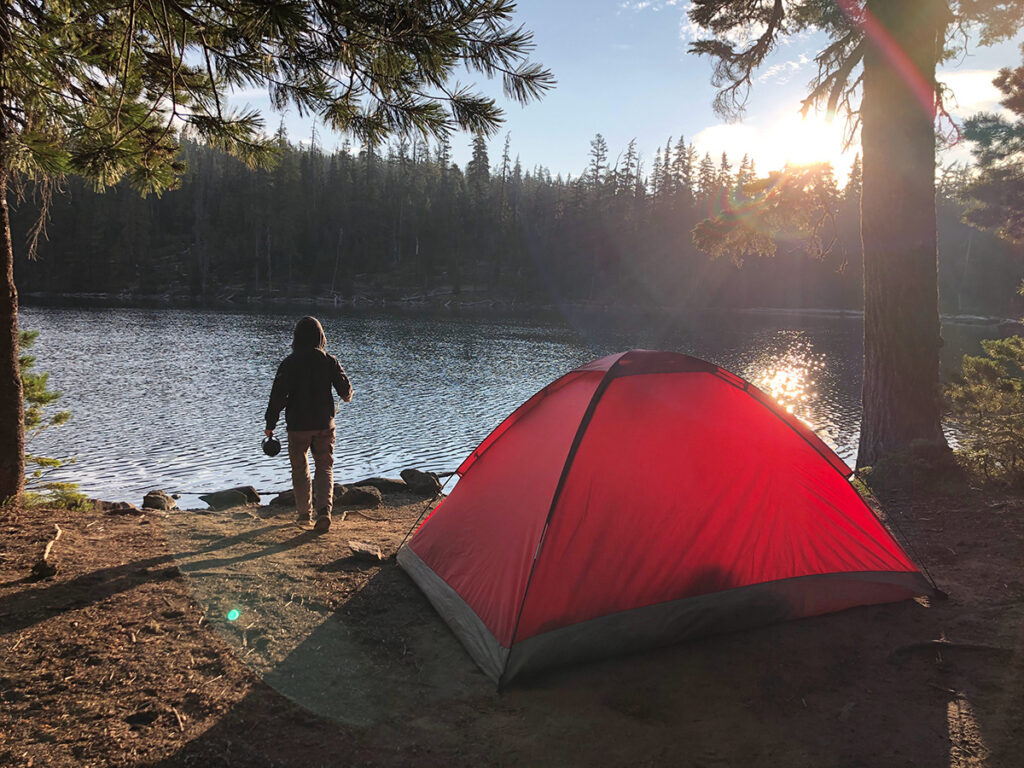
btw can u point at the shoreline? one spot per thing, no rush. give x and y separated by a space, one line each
447 303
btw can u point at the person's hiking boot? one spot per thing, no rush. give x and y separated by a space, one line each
323 522
304 518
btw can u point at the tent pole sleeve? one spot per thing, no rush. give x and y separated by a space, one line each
577 439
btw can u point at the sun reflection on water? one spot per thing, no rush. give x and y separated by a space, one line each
789 370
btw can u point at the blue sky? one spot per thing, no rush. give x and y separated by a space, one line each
623 70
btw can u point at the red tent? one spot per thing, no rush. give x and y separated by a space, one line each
640 499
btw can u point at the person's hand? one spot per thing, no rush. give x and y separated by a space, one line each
268 432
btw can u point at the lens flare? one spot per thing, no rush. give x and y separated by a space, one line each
880 37
233 614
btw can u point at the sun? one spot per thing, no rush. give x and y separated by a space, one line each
795 140
784 139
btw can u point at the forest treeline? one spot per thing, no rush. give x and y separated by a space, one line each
408 221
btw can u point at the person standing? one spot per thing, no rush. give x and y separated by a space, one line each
302 387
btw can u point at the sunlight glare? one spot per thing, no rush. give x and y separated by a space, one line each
800 140
789 373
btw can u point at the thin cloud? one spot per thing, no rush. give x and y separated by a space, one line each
249 93
688 30
784 71
653 5
973 91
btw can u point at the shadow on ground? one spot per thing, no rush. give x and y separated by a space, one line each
38 603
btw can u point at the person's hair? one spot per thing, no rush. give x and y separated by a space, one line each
309 334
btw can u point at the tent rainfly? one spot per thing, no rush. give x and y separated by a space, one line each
640 499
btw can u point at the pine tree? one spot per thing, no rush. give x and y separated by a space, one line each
506 157
657 176
668 176
855 182
504 213
639 183
104 91
444 156
745 173
987 403
688 171
681 173
707 178
38 397
997 192
630 169
598 165
478 169
724 180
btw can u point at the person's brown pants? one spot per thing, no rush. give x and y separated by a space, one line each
321 442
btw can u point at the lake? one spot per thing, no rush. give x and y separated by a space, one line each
174 399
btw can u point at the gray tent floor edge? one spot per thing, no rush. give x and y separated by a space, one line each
477 639
718 612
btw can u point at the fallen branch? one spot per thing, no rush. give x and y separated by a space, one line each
44 569
361 514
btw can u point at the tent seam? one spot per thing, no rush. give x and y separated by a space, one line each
585 420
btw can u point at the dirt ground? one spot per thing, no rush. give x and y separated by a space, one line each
132 655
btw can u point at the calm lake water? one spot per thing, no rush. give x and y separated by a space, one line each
174 399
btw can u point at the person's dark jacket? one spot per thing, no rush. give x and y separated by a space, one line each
303 388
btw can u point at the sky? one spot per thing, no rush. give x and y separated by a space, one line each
623 71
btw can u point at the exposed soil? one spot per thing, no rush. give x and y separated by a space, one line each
128 657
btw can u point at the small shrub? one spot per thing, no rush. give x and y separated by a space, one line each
39 491
54 495
986 403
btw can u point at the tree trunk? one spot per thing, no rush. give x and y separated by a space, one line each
901 395
12 414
